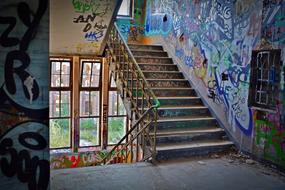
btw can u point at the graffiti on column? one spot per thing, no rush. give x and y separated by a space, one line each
24 93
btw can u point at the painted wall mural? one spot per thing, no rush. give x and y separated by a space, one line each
80 25
214 39
24 154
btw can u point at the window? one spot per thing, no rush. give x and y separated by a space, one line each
76 106
265 78
125 9
90 102
117 119
59 104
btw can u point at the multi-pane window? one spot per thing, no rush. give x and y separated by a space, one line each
59 104
117 119
76 104
90 103
265 78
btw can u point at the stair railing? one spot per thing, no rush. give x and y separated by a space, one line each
139 100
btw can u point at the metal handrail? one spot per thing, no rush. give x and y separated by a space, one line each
134 88
128 133
157 103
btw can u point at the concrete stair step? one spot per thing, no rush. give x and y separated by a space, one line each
166 123
177 101
166 82
148 53
186 149
158 67
154 60
170 91
188 135
183 111
163 74
145 47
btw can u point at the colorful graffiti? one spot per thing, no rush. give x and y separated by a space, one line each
85 159
133 29
214 39
91 16
74 160
273 23
24 154
270 136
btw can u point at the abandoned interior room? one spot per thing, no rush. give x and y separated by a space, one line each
142 94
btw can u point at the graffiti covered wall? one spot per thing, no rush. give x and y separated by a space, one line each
80 26
86 158
133 29
270 126
24 154
212 41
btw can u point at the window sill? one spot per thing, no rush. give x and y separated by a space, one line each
263 109
124 17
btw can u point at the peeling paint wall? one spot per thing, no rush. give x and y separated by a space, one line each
212 42
24 37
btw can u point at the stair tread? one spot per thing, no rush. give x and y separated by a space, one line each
157 64
148 50
175 97
146 71
155 45
195 144
151 57
185 131
164 79
172 88
188 118
182 107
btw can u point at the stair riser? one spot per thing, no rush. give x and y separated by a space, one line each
166 83
190 137
150 54
197 124
163 75
154 67
175 92
154 60
177 102
141 47
181 153
183 112
165 93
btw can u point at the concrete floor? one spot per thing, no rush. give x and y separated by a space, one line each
196 173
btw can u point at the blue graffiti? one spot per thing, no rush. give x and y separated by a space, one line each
93 36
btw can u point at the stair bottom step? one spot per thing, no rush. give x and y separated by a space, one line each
182 150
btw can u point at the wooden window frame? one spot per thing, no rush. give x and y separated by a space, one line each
114 89
60 89
90 89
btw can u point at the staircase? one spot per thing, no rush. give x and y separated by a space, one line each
168 119
185 126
